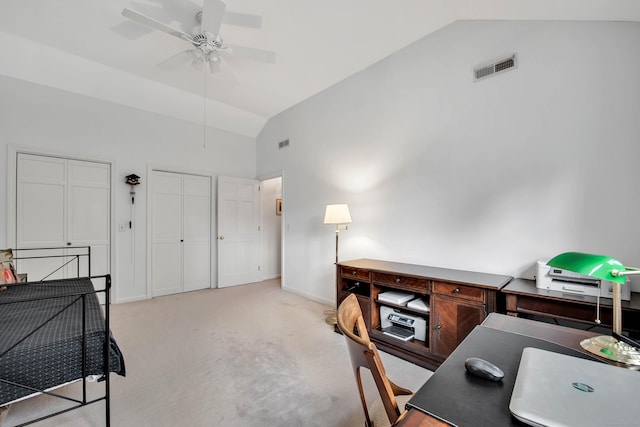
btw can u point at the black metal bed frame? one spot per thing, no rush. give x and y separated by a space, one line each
83 401
69 257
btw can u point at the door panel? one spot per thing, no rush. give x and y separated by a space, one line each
167 268
88 223
197 232
41 188
167 234
454 318
197 265
34 228
238 231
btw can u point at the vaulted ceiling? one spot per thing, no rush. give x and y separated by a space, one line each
88 47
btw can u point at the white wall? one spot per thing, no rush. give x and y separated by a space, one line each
487 176
55 121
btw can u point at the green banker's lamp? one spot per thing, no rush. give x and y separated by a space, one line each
618 347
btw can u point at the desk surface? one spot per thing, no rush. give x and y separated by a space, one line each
478 279
525 330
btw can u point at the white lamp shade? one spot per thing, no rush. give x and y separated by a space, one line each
337 214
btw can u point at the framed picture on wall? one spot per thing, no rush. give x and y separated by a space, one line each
278 206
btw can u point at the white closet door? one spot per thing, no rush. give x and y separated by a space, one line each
41 212
63 203
181 239
166 261
197 232
89 210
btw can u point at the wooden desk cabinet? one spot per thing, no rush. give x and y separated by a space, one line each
524 298
459 300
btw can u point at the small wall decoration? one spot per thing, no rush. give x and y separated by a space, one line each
278 206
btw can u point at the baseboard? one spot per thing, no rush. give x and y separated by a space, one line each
309 296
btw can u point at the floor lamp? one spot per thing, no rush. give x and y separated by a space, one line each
339 215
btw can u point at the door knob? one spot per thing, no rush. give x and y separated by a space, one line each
221 237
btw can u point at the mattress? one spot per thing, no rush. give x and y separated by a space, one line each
42 344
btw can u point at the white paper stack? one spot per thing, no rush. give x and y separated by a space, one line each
418 304
395 297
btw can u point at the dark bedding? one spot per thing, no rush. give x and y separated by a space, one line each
41 336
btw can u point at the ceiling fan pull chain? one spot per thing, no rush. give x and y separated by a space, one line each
204 106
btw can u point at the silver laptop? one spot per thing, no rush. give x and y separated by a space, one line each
553 389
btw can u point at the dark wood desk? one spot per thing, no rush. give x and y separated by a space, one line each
459 300
561 335
524 298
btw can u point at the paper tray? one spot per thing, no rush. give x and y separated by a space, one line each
394 297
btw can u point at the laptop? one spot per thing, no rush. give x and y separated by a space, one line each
553 389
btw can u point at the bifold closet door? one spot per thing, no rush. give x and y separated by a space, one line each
62 203
196 197
181 230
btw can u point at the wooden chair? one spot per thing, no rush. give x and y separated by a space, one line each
364 353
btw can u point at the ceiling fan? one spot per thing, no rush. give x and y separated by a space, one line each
205 37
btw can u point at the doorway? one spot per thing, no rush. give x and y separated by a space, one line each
272 210
249 230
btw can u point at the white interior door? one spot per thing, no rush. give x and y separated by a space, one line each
63 203
181 233
239 242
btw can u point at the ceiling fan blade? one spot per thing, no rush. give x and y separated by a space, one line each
242 19
177 59
254 53
161 26
212 13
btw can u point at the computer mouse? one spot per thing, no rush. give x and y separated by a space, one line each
483 369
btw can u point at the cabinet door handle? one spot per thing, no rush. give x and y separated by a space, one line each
398 280
456 291
354 272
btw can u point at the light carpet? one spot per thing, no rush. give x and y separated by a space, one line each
251 355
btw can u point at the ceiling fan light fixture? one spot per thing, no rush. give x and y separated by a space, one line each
207 43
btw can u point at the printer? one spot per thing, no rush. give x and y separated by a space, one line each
390 318
557 279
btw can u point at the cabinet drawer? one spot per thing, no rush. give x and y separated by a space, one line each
459 291
402 282
354 273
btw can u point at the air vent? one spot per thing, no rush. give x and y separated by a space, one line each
283 144
494 68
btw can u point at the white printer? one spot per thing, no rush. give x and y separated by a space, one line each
557 279
391 317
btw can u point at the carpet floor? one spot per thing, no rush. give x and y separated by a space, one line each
250 355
